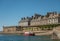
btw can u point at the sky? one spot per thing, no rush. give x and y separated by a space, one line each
11 11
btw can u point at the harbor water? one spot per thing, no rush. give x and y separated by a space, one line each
25 38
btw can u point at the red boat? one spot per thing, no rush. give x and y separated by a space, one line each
29 34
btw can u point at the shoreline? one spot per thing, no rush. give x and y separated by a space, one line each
36 33
43 33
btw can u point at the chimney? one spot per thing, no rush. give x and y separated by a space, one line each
27 17
32 16
24 18
21 18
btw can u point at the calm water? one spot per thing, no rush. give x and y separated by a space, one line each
25 38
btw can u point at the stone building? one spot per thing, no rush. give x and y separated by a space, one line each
50 18
11 29
24 21
37 20
20 29
32 23
27 21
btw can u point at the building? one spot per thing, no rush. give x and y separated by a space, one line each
11 29
37 20
24 21
27 21
33 23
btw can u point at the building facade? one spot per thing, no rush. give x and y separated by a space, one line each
24 21
11 29
37 20
33 23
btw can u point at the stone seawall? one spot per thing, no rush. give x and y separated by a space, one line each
44 33
57 31
36 32
19 33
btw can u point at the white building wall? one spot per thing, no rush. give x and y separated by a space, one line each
23 24
53 21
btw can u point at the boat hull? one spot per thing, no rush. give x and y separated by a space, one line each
29 34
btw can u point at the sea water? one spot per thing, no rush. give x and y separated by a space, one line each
25 38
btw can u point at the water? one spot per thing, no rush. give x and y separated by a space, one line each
25 38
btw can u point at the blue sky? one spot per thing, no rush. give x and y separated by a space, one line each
11 11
